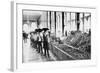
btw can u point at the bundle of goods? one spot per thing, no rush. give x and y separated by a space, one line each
73 38
79 40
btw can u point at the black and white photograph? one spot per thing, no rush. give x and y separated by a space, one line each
50 36
55 36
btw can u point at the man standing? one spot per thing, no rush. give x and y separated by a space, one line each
39 43
45 44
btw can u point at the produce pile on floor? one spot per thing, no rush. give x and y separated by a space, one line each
80 40
81 46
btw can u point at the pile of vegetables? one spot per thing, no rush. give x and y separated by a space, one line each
79 40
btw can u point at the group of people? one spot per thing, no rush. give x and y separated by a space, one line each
40 39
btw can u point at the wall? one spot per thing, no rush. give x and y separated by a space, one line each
5 35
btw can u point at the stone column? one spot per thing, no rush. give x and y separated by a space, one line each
62 23
55 21
78 20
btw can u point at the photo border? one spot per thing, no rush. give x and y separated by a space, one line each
17 66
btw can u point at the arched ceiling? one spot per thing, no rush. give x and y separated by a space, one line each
31 15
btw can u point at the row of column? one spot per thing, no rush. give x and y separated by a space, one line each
60 22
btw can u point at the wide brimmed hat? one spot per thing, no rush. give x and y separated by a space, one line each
45 29
38 30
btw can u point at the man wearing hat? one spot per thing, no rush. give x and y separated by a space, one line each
39 41
45 42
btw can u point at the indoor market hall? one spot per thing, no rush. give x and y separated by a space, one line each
56 36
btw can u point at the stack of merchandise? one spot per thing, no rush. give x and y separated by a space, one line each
79 40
